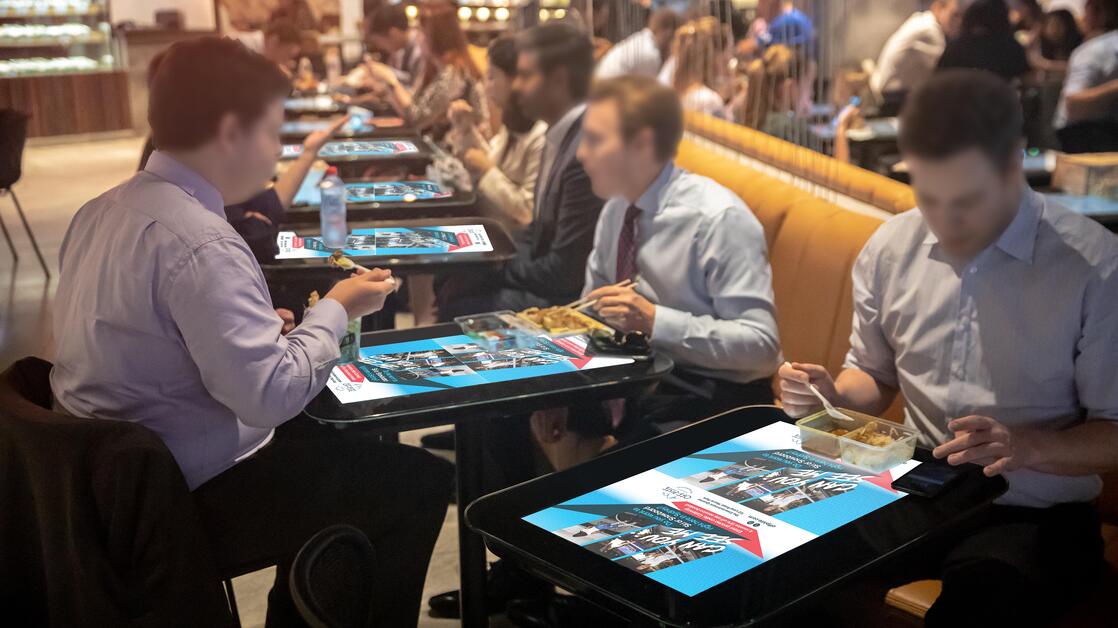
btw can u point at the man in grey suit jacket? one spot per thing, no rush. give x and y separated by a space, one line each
554 65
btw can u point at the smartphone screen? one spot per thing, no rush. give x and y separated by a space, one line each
929 479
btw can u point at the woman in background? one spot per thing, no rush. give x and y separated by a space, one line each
771 94
1059 35
449 74
505 167
986 42
702 53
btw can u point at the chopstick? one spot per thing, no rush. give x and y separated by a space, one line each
587 302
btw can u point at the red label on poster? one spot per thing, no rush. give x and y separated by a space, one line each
296 242
351 372
464 239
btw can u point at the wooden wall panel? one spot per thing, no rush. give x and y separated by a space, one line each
70 104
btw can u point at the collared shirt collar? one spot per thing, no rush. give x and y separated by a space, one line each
166 167
650 200
1019 238
559 130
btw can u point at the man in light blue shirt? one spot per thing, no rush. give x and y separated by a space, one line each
702 290
162 318
995 314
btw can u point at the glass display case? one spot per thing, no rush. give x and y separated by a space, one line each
60 61
50 37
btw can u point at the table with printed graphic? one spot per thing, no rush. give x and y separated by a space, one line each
726 522
383 200
428 376
400 256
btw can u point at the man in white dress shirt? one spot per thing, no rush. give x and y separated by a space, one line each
912 52
642 52
994 312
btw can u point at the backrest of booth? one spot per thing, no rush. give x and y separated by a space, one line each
812 247
858 183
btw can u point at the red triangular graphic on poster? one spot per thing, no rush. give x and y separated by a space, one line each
884 480
751 544
580 363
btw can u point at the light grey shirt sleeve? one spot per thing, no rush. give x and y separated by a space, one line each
233 335
1095 376
870 351
731 258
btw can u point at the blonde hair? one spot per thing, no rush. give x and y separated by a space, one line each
767 76
698 49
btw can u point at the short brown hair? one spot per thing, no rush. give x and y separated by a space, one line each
643 102
957 110
199 81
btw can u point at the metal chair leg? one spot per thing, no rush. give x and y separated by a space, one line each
8 237
30 234
232 599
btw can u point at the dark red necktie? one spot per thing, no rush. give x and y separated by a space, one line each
627 246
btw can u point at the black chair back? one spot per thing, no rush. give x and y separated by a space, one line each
97 526
332 580
13 136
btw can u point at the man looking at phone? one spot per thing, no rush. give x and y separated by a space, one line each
163 318
995 313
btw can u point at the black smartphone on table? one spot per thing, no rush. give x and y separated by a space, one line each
930 478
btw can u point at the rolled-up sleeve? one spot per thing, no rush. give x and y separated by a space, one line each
221 306
870 351
1095 378
741 334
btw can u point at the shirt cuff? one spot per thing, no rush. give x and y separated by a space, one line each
670 326
329 314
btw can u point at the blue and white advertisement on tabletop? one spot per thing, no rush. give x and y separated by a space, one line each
423 366
390 241
698 521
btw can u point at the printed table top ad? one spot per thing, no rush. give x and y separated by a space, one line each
356 148
422 366
703 519
383 241
374 191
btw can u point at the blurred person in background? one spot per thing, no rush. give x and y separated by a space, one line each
911 53
298 12
986 42
702 52
1090 93
283 42
449 73
392 41
771 94
1057 38
643 52
505 167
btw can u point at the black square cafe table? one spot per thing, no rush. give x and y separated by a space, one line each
466 408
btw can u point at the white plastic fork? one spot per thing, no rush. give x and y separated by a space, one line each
833 412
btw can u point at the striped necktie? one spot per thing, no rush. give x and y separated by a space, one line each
627 246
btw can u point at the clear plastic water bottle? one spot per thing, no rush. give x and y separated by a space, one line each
332 211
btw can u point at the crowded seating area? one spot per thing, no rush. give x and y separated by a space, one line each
559 313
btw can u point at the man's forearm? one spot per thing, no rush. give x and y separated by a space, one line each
1085 449
1092 102
287 185
858 390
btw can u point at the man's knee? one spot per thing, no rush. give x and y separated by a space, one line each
987 592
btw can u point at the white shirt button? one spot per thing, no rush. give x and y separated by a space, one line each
973 269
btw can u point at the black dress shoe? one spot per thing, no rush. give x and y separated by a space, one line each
439 440
558 611
505 583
